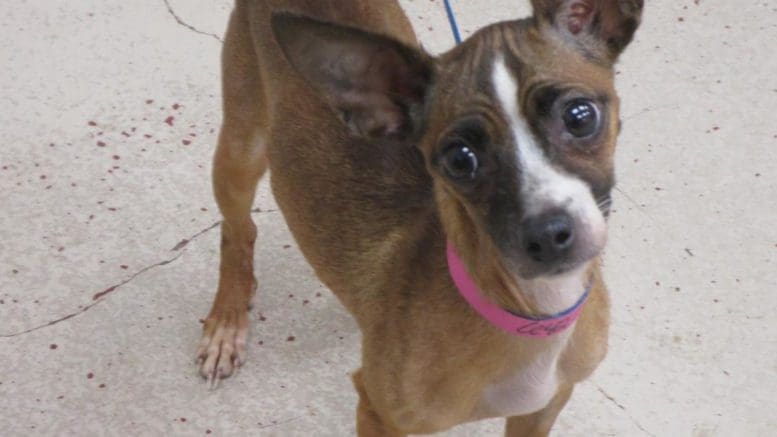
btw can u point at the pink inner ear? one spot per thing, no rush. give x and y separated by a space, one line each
579 15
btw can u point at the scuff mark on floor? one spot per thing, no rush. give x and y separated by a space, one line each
187 25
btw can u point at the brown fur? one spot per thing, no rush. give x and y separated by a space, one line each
364 200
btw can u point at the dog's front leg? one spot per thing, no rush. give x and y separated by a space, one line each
368 422
239 162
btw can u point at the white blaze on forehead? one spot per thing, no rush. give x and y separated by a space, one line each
546 188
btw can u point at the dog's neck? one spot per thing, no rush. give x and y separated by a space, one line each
551 295
510 322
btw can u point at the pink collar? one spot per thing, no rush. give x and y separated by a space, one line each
501 318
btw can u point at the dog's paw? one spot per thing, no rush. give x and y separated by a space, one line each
222 348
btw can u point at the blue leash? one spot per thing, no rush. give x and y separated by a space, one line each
452 20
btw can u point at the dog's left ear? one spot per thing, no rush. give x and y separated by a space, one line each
600 28
376 84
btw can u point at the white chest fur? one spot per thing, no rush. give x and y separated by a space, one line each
527 389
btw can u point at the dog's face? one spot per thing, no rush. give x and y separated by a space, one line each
517 125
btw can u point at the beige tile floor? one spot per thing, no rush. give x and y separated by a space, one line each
98 192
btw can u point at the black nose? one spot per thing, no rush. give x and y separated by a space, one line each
548 237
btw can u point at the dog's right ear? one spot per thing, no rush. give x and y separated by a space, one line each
600 28
376 84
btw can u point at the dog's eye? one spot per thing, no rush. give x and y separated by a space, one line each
581 118
460 161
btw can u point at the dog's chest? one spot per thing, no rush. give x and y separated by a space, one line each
527 389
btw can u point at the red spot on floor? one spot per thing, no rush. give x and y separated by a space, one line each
100 144
149 101
176 106
116 157
53 346
186 142
92 123
124 267
89 375
102 385
291 338
169 120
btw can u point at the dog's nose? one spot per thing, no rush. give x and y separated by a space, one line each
548 237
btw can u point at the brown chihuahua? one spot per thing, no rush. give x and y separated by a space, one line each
455 205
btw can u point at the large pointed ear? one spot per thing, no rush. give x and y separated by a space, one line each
601 28
376 85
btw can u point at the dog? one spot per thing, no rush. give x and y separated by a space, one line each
456 205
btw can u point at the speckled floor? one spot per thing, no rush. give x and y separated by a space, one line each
109 111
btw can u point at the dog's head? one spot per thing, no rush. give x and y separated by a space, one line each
517 124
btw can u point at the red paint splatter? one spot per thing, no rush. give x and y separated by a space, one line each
176 106
100 144
149 101
291 338
102 385
169 120
124 267
116 157
92 123
53 346
89 375
186 142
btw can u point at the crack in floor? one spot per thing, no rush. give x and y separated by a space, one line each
189 26
97 299
100 296
619 405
